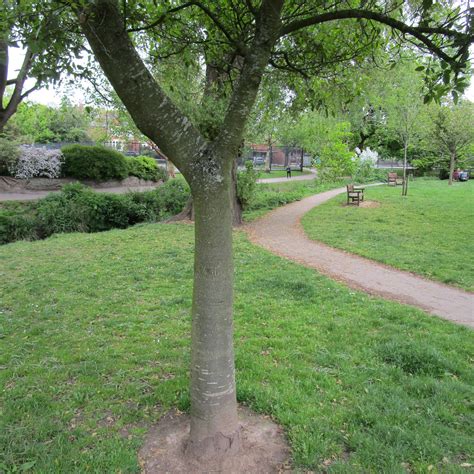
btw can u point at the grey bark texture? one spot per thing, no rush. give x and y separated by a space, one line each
452 163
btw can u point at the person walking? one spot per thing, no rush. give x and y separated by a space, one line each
288 172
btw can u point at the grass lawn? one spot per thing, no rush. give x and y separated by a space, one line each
271 195
278 173
95 333
429 232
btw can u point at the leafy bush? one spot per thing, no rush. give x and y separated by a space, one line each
35 162
9 153
364 172
16 227
144 167
93 162
78 208
246 185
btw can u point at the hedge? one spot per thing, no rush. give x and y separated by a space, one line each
144 167
93 162
78 208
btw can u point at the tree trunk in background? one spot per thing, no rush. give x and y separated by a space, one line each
236 204
214 426
170 168
405 180
452 163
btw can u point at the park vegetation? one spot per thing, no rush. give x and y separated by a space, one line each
239 43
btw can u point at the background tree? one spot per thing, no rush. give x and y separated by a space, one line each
50 45
403 102
260 34
453 132
38 123
327 139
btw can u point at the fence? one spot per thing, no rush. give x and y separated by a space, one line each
273 156
269 156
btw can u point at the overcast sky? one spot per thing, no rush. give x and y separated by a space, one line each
53 96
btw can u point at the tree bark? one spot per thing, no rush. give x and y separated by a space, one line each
214 427
188 212
452 163
405 181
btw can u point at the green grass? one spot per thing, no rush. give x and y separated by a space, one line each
268 196
95 334
280 174
429 232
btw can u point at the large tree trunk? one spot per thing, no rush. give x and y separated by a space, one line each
452 163
214 426
188 212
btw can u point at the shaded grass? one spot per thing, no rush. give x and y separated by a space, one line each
95 335
429 232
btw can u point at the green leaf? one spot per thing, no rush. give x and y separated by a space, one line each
420 68
27 465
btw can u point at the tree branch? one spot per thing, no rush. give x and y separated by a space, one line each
243 97
29 91
3 69
161 18
155 115
215 19
419 32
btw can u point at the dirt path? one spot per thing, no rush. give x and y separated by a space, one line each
280 232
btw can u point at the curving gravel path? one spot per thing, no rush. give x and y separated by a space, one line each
280 232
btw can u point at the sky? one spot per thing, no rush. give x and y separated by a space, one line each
52 96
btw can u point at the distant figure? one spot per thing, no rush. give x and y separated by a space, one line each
456 174
288 172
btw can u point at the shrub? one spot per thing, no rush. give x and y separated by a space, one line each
17 227
9 153
78 208
246 185
144 167
35 162
93 162
167 200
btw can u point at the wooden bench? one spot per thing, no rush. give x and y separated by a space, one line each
355 195
393 179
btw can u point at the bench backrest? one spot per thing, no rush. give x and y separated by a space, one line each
350 188
392 176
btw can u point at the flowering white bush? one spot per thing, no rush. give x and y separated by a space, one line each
369 156
35 162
